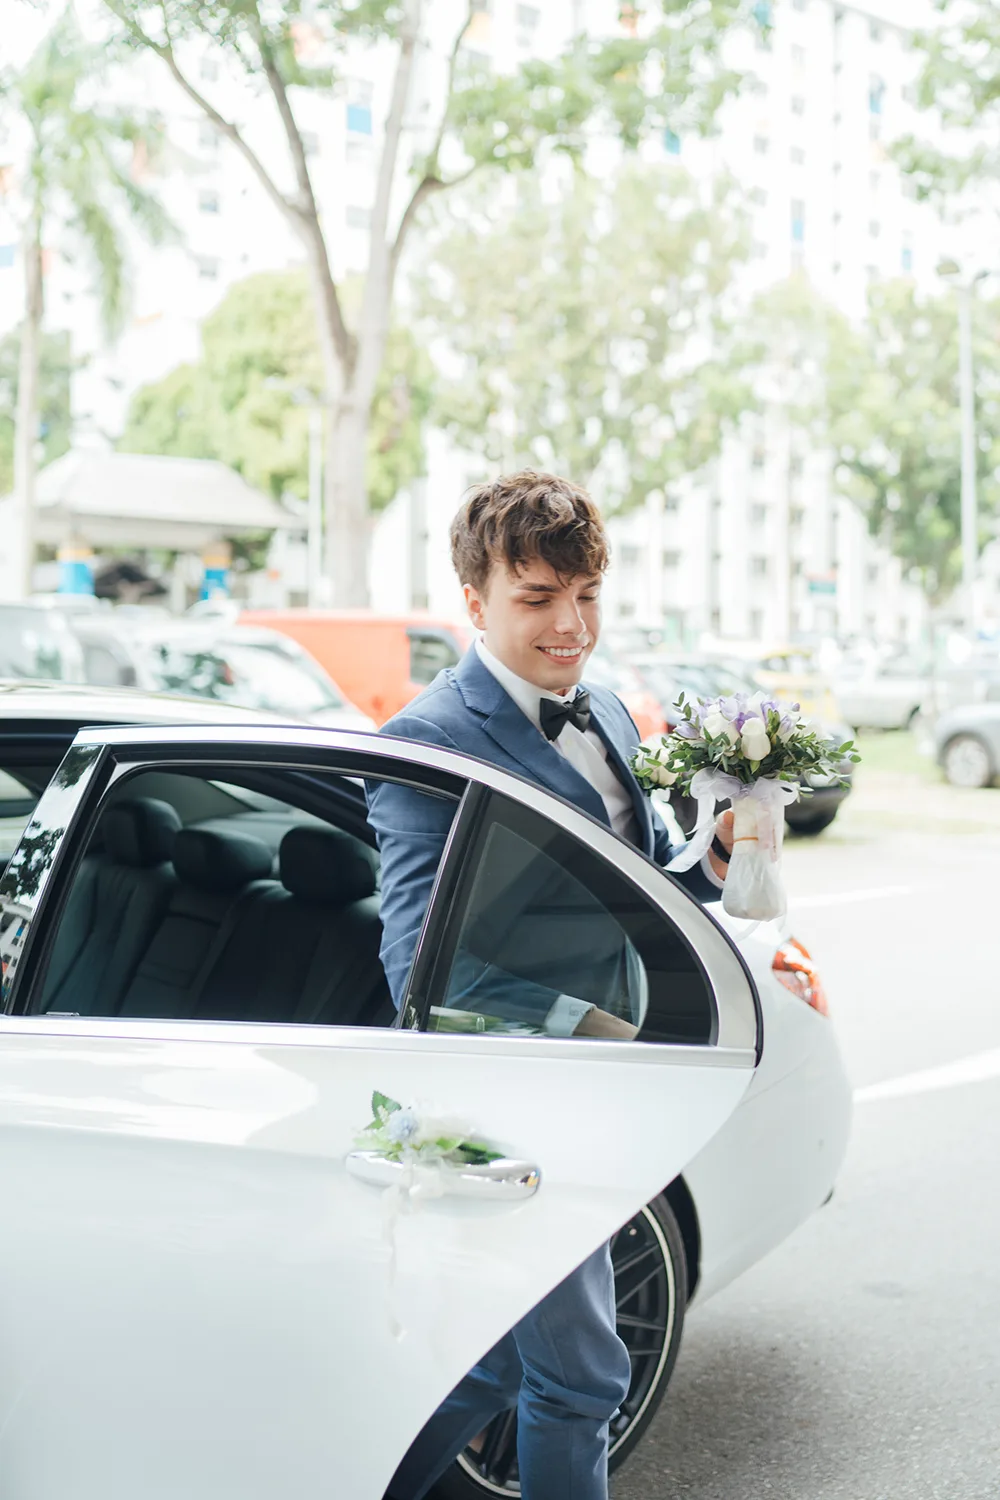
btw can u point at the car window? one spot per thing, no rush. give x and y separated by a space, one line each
103 668
282 681
248 675
430 653
193 902
34 644
17 803
552 936
25 880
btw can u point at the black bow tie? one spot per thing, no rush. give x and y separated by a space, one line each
554 714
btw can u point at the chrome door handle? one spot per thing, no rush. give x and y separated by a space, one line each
501 1181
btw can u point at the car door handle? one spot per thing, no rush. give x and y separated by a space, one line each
501 1181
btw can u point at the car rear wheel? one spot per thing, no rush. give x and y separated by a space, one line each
651 1292
967 762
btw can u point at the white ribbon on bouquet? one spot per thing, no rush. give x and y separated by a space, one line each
711 787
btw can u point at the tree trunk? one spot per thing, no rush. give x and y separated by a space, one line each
348 525
26 427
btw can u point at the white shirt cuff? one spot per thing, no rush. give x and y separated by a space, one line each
566 1015
706 865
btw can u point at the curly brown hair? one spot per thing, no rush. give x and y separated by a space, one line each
519 518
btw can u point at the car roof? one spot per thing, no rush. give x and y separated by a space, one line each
76 703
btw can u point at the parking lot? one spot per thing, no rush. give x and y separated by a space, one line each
858 1362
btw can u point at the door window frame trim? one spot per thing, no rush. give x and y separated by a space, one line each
349 751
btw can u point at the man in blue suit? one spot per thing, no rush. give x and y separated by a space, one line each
530 551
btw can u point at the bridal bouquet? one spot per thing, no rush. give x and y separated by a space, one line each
756 754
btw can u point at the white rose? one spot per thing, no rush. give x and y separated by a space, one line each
716 723
756 744
661 776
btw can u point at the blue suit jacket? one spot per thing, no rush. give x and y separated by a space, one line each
466 709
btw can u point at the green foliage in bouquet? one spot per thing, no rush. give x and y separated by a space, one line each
748 738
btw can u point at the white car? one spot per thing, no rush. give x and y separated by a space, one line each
204 1288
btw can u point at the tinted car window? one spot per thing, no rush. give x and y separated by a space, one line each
553 936
193 902
430 653
17 802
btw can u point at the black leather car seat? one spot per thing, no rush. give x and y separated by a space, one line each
113 907
306 950
215 874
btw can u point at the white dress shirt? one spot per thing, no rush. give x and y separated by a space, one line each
584 749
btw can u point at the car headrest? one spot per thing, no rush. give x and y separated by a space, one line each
140 831
216 861
326 865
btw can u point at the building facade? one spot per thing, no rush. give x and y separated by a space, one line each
759 546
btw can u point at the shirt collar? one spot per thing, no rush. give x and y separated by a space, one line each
525 694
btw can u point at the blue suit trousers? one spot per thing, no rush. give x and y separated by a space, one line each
565 1369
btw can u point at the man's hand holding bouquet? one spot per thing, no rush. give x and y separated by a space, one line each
753 753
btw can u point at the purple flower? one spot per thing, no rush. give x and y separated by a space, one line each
688 731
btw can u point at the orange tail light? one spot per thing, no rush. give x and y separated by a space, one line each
796 969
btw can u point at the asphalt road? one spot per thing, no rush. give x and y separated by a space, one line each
861 1360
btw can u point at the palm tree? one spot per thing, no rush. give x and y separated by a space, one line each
75 185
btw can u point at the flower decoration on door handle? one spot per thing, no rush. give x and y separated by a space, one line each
425 1156
412 1157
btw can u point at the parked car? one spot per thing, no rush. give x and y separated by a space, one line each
668 677
793 673
966 744
882 693
252 667
382 661
194 1019
37 642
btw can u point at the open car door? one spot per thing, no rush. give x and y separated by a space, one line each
208 1287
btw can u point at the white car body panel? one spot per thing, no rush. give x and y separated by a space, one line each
200 1301
776 1159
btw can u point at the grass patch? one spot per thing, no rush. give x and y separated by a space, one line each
894 752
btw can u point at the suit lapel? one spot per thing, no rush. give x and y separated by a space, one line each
518 737
640 803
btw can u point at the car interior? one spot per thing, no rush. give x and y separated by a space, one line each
203 900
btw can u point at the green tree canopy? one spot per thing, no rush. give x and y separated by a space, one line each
586 331
663 68
960 84
243 402
895 430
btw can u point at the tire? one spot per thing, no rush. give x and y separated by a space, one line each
967 762
815 825
651 1291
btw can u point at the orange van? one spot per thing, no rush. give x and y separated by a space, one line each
380 661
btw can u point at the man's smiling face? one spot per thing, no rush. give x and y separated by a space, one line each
540 626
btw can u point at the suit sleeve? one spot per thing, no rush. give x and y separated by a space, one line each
411 829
